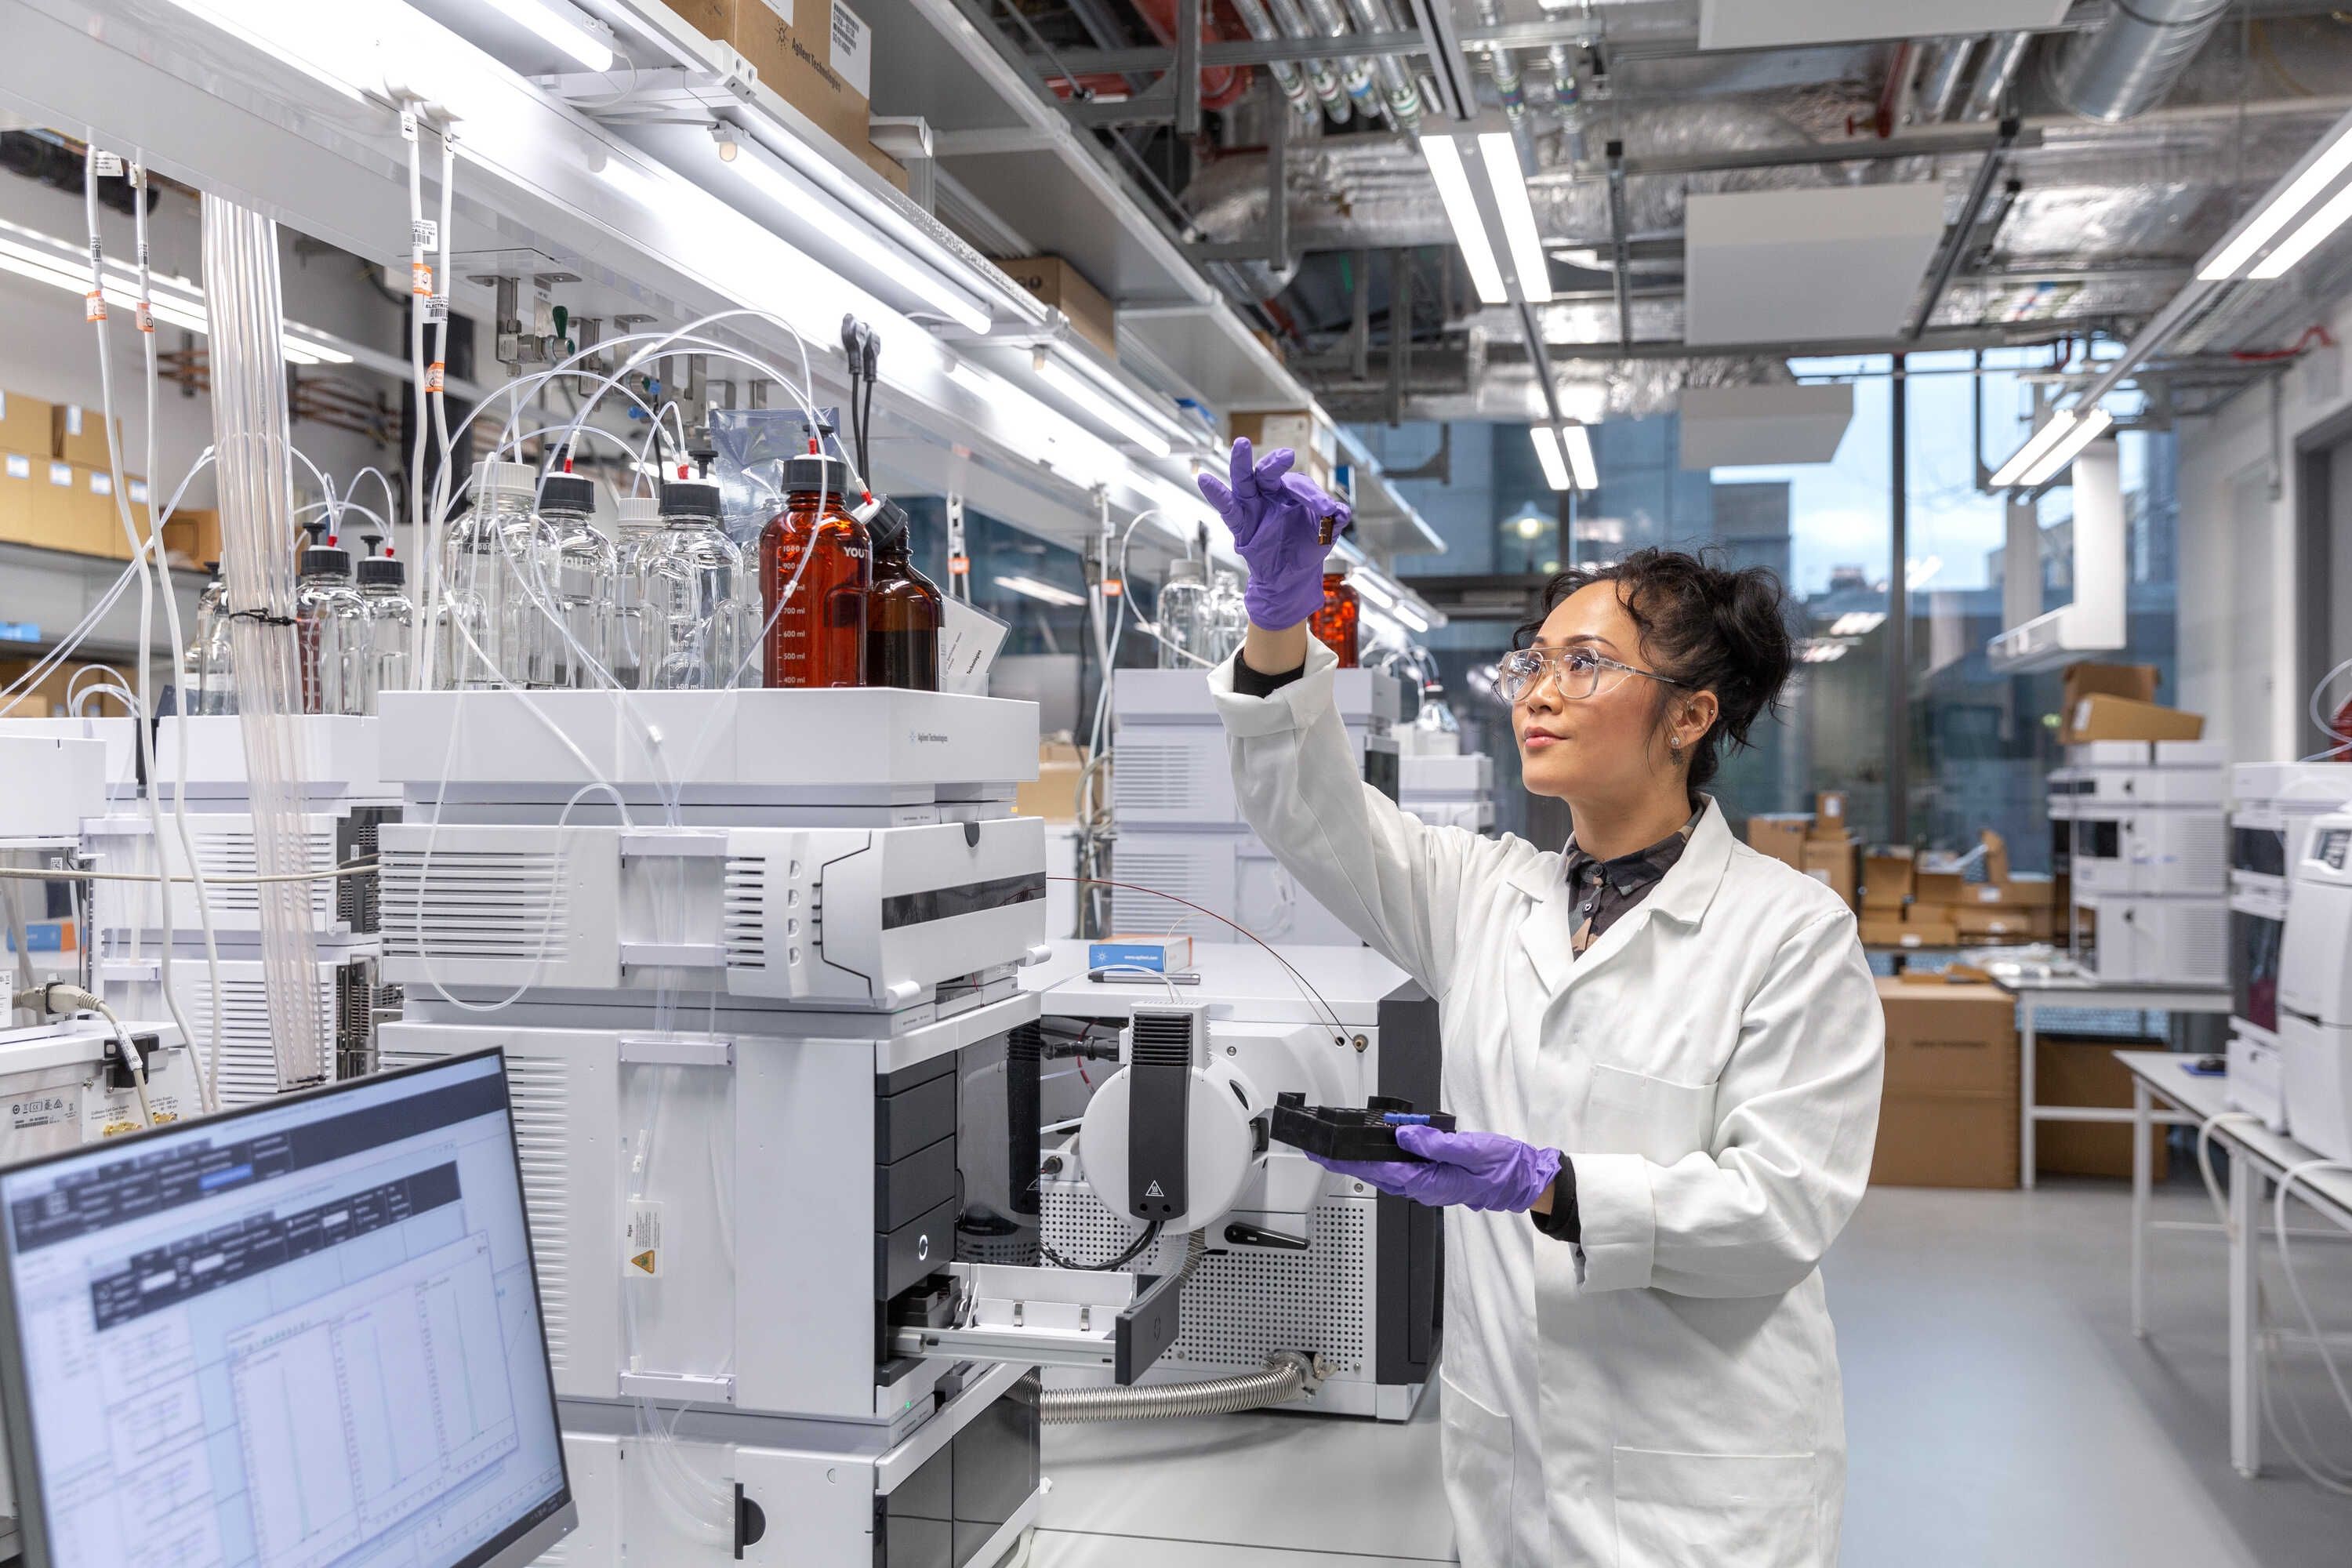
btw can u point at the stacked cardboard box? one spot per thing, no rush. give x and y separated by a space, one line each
2117 702
1053 792
1828 854
1781 835
1886 874
1304 430
2085 1072
1948 1114
816 54
56 486
45 699
1063 287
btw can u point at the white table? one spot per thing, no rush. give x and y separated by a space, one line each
2037 994
2258 1157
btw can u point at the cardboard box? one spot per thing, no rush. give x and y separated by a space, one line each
97 520
78 435
2029 890
1829 813
1831 860
1062 286
1053 792
1996 855
26 425
1998 923
1929 925
1886 880
1945 1141
2134 682
19 477
1880 930
1781 835
1938 887
2099 717
192 538
2085 1072
1316 441
816 54
45 699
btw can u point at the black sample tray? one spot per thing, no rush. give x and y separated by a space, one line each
1347 1131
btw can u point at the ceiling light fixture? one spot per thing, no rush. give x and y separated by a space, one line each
556 28
1501 155
1548 453
1445 158
2305 240
1578 442
2082 434
1045 593
2036 444
2272 216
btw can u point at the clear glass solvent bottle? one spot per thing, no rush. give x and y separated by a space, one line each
814 617
208 677
495 626
1184 616
587 569
330 633
690 581
640 528
392 619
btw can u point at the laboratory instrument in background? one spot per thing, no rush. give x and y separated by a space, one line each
343 801
1338 625
1187 633
2315 992
691 580
818 637
2144 824
1437 781
1179 830
904 610
2272 807
584 582
333 1264
738 969
1298 1258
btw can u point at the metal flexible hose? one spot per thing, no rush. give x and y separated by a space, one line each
1287 1374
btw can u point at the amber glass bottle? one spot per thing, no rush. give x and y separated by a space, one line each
902 612
1335 623
819 638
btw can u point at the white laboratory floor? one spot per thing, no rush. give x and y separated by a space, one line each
1998 1411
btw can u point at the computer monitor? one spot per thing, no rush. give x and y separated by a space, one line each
299 1334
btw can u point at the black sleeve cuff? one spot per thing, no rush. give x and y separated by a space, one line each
1250 682
1561 1223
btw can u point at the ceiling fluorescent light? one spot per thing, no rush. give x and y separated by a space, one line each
757 172
1555 467
2305 240
2040 442
2085 431
2273 215
1045 591
1580 466
1502 159
1099 405
1366 588
1445 158
1411 618
552 25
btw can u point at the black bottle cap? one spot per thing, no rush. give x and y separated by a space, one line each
568 492
325 561
812 472
889 527
383 572
689 497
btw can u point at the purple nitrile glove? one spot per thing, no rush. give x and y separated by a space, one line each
1476 1170
1275 517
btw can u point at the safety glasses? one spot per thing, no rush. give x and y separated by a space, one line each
1577 673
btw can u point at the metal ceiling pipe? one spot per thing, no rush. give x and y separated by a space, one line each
1319 74
1503 65
1261 27
1396 82
1945 72
2131 62
1995 77
1355 70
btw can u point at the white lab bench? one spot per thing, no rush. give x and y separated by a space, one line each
2259 1157
2037 994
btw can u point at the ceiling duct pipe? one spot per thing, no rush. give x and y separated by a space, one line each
1396 82
2131 61
1945 73
1286 75
1355 71
1996 76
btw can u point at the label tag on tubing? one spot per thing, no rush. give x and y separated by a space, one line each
107 164
437 309
969 640
407 125
420 278
145 315
434 377
93 306
424 233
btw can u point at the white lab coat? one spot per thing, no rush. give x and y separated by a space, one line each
1667 1393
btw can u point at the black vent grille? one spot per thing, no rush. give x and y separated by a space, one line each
356 902
1161 1039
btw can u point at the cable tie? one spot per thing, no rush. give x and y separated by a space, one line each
261 617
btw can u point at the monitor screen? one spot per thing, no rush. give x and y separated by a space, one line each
303 1333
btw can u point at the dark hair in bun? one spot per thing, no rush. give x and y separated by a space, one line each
1706 624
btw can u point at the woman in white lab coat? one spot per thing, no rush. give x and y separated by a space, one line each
1662 1050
